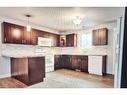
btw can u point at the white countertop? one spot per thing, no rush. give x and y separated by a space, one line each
21 56
85 54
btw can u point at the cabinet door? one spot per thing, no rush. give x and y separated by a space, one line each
55 39
71 40
19 69
75 62
65 62
6 31
16 33
26 39
103 36
58 62
23 70
96 39
58 40
84 63
14 68
36 69
34 37
100 36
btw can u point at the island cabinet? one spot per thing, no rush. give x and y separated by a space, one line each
73 62
28 70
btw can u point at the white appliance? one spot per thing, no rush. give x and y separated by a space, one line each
95 64
49 62
44 41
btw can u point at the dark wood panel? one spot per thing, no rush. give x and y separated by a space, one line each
71 40
95 37
23 70
57 62
17 34
6 33
14 68
74 62
19 69
84 63
28 70
36 69
100 36
27 37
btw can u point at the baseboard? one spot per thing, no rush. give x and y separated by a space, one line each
5 76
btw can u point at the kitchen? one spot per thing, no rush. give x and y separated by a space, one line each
81 48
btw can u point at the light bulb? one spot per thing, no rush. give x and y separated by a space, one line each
77 20
28 28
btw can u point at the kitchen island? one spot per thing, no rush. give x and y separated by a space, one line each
28 69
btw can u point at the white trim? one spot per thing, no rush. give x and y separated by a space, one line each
118 69
5 76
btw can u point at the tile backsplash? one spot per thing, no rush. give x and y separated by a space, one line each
27 49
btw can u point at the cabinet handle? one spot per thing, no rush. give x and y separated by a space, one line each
22 41
5 39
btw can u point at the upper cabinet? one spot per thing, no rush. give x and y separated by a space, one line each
69 40
17 34
100 36
12 33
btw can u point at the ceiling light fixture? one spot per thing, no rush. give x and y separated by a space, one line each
28 27
77 20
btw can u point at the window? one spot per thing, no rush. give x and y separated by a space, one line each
86 40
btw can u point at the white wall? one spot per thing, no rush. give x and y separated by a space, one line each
4 62
97 50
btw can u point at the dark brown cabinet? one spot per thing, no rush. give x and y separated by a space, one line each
26 37
28 70
73 62
58 59
84 63
100 36
12 33
71 40
16 34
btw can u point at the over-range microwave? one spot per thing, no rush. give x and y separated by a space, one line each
44 41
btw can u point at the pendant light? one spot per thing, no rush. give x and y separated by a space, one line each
28 27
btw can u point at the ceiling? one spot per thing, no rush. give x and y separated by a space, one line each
61 18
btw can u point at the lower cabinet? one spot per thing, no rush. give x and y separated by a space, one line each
73 62
92 64
84 63
58 62
28 70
